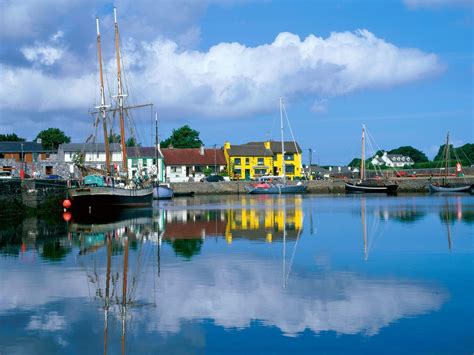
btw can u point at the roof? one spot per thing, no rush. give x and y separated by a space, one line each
250 149
258 149
89 147
289 147
28 147
192 156
142 152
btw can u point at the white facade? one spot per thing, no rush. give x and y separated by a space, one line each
186 173
145 166
392 160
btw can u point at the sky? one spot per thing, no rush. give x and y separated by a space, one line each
404 68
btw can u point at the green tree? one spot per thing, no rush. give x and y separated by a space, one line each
131 142
187 248
184 137
415 154
51 138
464 153
11 138
355 163
114 138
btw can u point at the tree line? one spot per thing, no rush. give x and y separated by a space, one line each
464 154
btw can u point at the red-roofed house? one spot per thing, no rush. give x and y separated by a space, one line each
188 164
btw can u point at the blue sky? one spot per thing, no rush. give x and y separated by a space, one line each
403 67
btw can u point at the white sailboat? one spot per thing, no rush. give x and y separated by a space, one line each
281 187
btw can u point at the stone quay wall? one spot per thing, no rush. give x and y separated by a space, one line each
18 196
334 186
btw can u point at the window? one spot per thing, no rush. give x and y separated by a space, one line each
290 169
237 161
260 171
145 161
134 163
198 168
260 161
176 169
154 161
289 156
247 161
237 171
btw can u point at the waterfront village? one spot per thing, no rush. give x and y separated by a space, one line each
235 162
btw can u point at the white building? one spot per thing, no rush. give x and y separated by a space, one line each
189 164
392 160
143 160
93 154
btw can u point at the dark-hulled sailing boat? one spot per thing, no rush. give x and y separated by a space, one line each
107 189
444 185
364 185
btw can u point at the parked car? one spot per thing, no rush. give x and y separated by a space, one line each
54 177
5 175
213 178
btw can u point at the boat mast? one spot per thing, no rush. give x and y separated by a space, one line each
102 108
283 167
120 95
362 161
156 146
447 156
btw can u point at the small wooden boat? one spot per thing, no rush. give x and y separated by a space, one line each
364 185
444 186
367 186
162 192
184 194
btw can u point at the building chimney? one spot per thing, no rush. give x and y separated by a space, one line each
38 141
201 150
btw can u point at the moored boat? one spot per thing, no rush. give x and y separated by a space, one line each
106 189
282 186
364 185
162 192
445 186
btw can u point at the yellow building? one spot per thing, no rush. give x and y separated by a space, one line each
254 159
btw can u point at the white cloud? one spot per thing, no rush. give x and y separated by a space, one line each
43 54
231 79
320 106
415 4
48 322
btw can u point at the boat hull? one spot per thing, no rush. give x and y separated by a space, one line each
94 197
162 193
278 190
364 187
463 188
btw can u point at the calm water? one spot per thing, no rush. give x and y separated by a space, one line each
244 275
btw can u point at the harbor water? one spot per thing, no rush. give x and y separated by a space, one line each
243 275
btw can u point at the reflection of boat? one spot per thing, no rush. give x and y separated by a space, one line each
104 189
365 185
160 191
279 187
444 185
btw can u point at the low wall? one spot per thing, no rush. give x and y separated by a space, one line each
416 185
17 196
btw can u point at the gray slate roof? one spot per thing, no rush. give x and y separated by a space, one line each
28 147
89 147
258 149
142 152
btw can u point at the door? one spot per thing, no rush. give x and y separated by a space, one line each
247 174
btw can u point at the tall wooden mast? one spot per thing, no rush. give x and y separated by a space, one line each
283 166
447 156
120 94
103 108
362 161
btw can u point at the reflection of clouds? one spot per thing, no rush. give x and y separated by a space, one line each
233 291
51 322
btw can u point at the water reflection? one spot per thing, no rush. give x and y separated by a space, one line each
156 271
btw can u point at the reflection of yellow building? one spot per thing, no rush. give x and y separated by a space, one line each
255 159
268 222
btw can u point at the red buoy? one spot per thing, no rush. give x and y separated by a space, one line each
67 203
67 216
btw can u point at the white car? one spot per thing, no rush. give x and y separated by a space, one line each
5 174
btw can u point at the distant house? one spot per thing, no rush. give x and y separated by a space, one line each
392 160
27 152
147 160
189 164
254 159
93 155
28 156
